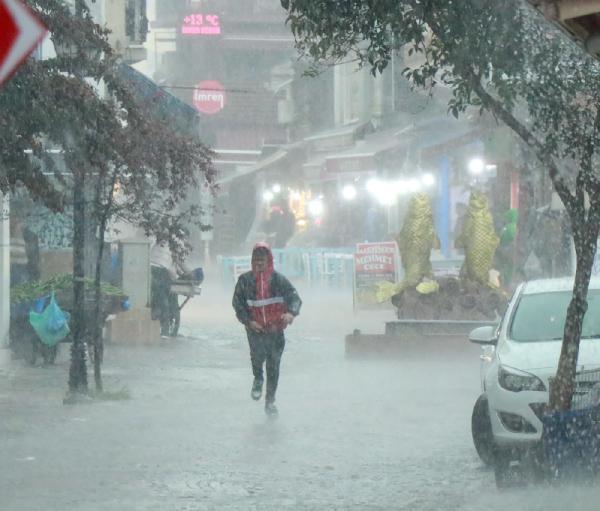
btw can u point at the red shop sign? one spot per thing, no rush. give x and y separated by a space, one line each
376 259
209 97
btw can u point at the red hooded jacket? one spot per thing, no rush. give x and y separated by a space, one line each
265 296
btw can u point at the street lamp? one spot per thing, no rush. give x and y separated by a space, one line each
476 166
349 192
316 207
428 179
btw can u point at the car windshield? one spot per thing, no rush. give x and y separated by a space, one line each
541 317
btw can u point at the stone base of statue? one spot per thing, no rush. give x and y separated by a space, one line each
456 299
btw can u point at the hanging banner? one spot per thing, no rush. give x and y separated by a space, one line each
374 263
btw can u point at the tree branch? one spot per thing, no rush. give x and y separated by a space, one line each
513 123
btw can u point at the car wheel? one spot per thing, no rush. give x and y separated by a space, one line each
481 430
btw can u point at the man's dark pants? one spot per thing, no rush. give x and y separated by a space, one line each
266 347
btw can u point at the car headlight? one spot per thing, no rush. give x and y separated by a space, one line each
516 381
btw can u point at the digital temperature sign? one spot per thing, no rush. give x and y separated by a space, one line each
201 24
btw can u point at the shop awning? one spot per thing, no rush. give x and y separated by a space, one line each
363 156
162 103
438 135
277 156
442 135
266 163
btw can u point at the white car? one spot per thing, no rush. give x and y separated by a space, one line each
519 357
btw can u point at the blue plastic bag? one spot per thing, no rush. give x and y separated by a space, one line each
52 325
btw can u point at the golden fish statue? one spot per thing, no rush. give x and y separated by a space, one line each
416 240
478 239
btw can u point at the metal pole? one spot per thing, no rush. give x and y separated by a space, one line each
4 270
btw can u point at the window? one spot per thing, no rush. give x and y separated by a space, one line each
541 317
136 22
350 93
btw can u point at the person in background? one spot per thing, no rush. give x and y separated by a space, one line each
265 302
281 224
286 226
164 269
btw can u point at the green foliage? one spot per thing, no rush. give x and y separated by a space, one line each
114 138
503 58
501 48
29 291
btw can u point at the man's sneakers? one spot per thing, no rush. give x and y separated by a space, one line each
271 409
256 391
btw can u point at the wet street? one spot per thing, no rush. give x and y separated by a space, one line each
377 433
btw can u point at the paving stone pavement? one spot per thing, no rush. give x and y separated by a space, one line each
352 434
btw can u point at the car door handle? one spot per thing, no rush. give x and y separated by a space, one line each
485 358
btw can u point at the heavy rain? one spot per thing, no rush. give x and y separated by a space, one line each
279 254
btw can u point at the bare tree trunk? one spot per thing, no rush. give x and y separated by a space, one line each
98 341
585 227
563 386
585 235
97 327
77 369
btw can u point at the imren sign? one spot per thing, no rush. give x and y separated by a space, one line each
209 97
20 32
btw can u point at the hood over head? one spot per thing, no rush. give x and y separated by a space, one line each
262 247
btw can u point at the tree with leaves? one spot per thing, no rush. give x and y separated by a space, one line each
505 59
111 139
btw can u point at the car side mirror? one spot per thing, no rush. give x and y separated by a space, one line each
485 335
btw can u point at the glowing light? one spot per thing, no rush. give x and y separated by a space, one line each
386 196
276 188
349 192
400 187
268 196
316 207
476 166
374 185
428 179
201 24
413 185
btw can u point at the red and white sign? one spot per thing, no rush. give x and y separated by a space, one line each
209 97
373 263
377 259
201 24
20 32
